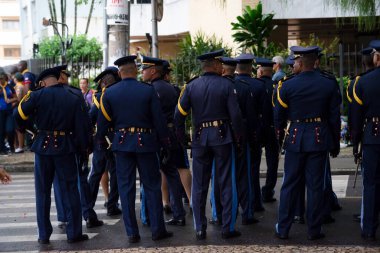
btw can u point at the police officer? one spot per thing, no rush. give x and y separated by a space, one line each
255 124
61 134
366 130
214 107
103 158
152 71
367 63
88 212
265 67
133 108
310 102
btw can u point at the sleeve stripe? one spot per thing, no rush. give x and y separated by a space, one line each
96 103
282 103
19 108
181 110
357 99
104 109
347 91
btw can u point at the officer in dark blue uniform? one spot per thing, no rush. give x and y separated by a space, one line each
88 212
265 68
255 124
367 64
366 130
310 102
61 134
103 158
332 203
214 107
134 110
152 71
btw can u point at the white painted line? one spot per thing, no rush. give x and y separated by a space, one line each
33 238
339 183
33 214
33 224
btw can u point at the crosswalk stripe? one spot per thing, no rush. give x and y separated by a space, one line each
33 238
33 214
339 184
53 223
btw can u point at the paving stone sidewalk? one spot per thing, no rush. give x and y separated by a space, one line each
242 249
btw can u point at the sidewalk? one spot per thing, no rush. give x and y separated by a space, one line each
343 164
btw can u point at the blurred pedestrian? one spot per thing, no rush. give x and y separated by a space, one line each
277 67
87 93
20 93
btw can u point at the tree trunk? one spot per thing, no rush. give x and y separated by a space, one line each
63 16
75 16
52 12
89 16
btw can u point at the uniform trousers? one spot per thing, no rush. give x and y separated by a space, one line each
65 170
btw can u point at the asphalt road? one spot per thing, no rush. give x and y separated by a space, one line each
18 227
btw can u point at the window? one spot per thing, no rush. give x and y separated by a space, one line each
11 24
141 1
12 52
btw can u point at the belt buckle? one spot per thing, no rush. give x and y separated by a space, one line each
215 123
132 130
55 133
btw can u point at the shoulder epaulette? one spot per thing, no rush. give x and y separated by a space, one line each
366 72
229 78
146 83
261 80
327 74
192 79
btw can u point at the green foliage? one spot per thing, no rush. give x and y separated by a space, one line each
252 30
81 48
185 66
366 10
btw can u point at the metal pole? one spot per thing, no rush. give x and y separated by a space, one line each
105 36
154 30
341 58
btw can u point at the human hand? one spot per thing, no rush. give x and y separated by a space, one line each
5 178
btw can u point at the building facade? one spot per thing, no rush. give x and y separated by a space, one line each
10 33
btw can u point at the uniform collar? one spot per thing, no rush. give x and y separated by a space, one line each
210 74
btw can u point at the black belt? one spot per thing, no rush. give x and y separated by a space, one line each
372 119
133 130
215 123
55 132
309 120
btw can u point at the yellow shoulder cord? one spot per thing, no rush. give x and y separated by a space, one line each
102 106
19 108
357 99
95 101
282 103
181 110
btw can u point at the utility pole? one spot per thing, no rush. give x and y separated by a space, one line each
105 36
154 29
118 19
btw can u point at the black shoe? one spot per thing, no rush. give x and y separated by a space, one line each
280 236
316 237
43 241
249 221
186 201
214 222
113 211
201 235
336 207
161 236
259 209
357 217
176 222
269 200
328 219
134 238
61 224
299 220
105 204
92 223
167 209
369 237
231 234
81 238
